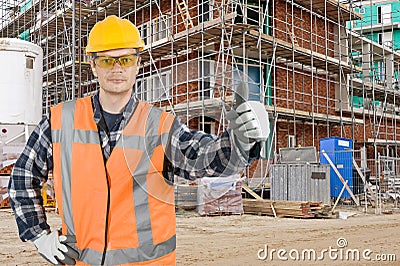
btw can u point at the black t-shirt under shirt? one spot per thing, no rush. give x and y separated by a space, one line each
111 119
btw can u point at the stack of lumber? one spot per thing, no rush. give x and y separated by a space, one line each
5 173
6 170
280 208
4 203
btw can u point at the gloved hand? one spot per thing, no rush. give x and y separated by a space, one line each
249 124
55 248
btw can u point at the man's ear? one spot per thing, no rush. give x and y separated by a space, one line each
93 67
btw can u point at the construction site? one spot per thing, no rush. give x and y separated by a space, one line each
326 71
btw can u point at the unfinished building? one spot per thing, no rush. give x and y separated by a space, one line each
308 61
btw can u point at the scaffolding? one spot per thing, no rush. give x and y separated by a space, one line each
313 63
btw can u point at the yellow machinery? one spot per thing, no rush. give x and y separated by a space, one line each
48 201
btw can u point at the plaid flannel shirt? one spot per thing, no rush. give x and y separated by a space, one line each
193 154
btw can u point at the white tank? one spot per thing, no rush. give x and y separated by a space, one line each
21 79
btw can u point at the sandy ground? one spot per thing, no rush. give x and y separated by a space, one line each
242 240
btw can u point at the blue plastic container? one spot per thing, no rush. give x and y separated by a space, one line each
339 150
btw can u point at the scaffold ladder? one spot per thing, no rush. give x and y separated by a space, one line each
294 40
183 10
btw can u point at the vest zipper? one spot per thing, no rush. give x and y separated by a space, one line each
107 214
103 124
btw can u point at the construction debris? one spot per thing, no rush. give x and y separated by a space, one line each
280 208
345 215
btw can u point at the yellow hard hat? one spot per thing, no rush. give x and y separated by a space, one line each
113 33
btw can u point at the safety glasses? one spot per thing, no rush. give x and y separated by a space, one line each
108 62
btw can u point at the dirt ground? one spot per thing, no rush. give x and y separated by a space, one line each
243 240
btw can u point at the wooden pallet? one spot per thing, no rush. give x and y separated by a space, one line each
221 213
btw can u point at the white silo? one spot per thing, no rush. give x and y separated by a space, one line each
21 68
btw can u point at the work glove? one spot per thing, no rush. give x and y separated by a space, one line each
249 124
55 248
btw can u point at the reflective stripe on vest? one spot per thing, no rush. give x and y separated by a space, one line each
141 225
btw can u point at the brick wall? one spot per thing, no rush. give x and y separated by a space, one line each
144 14
295 90
311 32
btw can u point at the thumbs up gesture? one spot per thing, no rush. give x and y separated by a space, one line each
249 121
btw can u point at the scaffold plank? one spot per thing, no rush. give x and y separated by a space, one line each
302 55
332 8
192 38
59 20
26 17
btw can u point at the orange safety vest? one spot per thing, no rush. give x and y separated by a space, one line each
125 212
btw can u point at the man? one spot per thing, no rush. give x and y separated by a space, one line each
111 157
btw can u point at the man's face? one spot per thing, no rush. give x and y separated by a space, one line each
116 79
